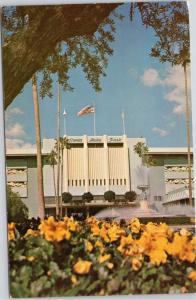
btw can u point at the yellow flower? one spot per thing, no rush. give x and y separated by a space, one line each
100 245
182 248
74 279
126 243
31 232
103 258
30 258
110 265
135 225
157 257
192 276
95 230
11 231
88 246
71 224
82 267
54 231
104 234
92 220
136 264
133 250
114 233
193 242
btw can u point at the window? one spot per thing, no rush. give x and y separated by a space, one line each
157 198
100 181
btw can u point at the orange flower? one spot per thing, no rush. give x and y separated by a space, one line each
192 276
136 264
31 232
135 225
88 246
11 231
103 258
82 267
157 257
54 231
182 248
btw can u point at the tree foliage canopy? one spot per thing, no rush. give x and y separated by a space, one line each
31 38
56 38
17 210
109 196
171 24
87 197
130 196
143 152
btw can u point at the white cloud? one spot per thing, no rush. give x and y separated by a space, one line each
174 81
18 144
15 130
10 112
16 111
151 78
161 132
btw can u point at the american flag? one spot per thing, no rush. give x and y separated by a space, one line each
86 110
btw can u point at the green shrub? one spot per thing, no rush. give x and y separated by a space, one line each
130 196
17 210
66 197
109 196
88 197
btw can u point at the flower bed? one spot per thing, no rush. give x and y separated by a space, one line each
69 258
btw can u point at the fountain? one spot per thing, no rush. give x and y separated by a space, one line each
143 210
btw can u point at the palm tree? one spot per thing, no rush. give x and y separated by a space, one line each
188 135
173 46
41 202
58 148
52 161
61 144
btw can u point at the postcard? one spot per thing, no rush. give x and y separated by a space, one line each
99 150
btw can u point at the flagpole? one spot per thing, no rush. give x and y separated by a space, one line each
64 123
94 119
123 121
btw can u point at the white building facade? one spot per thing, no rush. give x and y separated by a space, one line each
98 164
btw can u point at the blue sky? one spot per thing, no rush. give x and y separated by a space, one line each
150 93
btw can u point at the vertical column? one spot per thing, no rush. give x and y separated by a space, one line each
65 170
86 174
126 162
106 162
